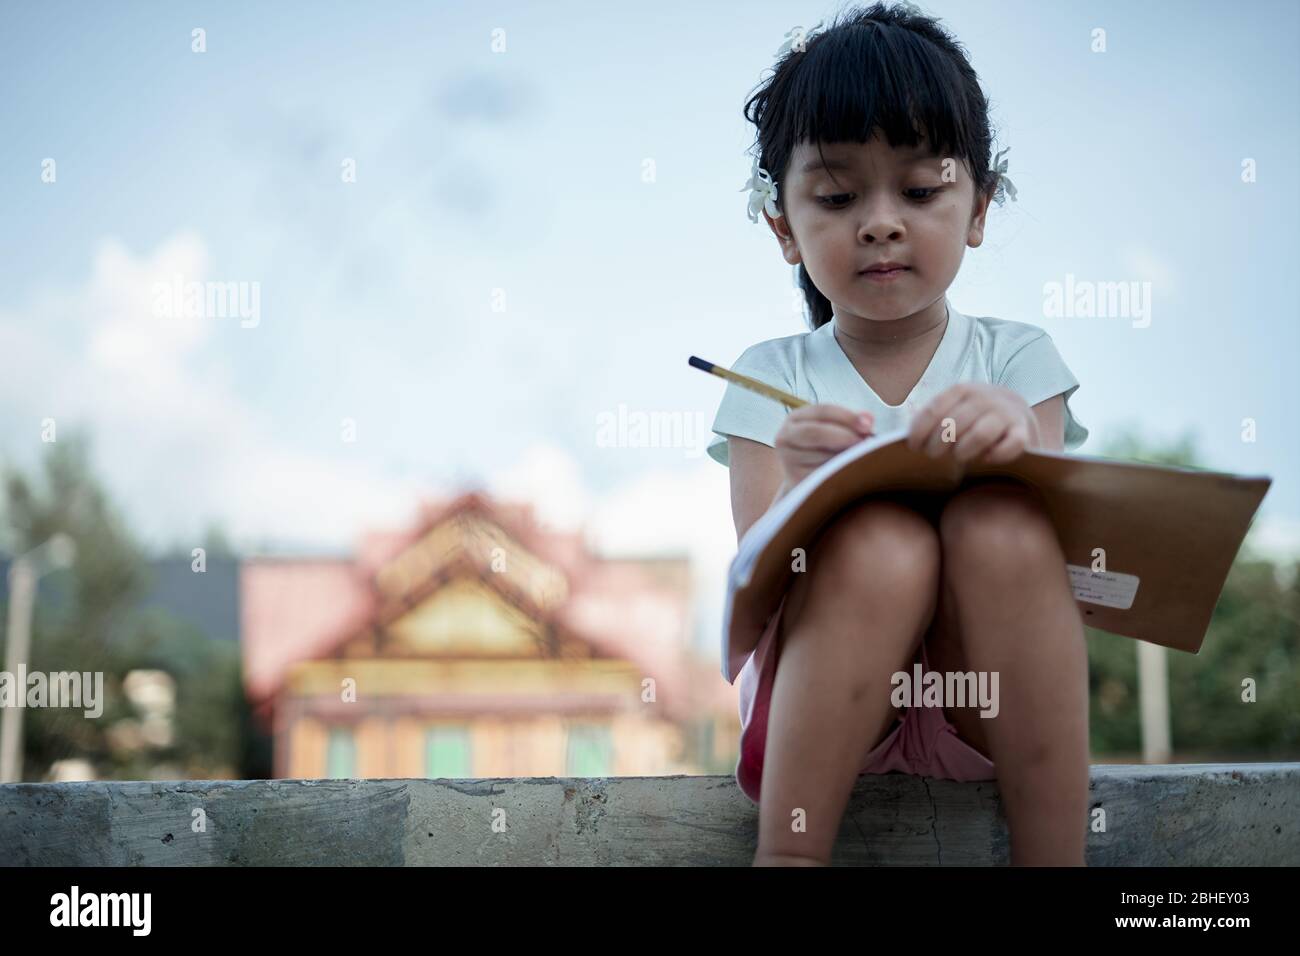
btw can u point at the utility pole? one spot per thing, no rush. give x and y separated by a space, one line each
27 569
1153 701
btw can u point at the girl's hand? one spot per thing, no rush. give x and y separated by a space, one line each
812 434
975 423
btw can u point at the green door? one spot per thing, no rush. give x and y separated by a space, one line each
590 751
341 753
446 749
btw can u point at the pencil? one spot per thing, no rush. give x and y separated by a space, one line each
753 384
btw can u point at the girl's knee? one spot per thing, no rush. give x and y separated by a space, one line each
879 546
998 524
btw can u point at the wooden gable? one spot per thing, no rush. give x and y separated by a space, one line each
466 588
469 618
470 538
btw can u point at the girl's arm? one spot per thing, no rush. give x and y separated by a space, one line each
757 481
1050 417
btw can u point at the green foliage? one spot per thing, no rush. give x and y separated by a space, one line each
1127 444
86 620
1254 633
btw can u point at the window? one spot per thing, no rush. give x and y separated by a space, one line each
340 753
446 751
707 742
590 751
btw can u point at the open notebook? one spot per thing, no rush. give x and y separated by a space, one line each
1169 535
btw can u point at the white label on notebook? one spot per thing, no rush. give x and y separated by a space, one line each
1103 587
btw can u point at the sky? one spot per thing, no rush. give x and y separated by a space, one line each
478 231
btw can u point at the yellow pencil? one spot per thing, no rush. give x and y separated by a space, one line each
753 384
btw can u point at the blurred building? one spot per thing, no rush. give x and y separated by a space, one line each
477 643
208 602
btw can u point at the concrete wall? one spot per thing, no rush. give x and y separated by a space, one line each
1201 814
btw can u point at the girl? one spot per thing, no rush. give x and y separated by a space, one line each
874 174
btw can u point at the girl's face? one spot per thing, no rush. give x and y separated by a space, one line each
884 205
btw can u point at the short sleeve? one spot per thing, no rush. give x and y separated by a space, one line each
1036 371
747 414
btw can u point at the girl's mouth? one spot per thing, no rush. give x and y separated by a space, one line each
885 275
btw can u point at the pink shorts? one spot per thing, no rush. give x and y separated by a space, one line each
923 743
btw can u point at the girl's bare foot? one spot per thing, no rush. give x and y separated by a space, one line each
782 859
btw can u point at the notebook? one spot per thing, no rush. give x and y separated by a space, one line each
1169 534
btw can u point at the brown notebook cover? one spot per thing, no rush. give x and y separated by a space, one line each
1170 535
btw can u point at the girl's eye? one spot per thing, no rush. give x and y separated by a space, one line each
839 200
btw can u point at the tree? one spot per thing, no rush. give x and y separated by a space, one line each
87 619
1254 634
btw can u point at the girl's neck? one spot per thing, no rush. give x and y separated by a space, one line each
867 337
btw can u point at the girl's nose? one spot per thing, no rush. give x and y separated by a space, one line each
881 222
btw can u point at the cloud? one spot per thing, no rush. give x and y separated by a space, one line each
551 480
484 95
681 511
1143 264
1275 538
661 512
174 441
125 334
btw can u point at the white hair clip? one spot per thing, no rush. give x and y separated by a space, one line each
762 190
1005 186
762 193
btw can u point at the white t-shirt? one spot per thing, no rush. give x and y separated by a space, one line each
813 366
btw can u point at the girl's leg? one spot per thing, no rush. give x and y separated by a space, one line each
851 620
1004 572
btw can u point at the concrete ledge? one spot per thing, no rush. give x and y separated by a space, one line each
1190 814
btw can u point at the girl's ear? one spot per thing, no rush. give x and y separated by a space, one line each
975 233
789 245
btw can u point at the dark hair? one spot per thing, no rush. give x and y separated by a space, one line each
883 68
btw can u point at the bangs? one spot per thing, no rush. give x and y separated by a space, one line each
865 79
